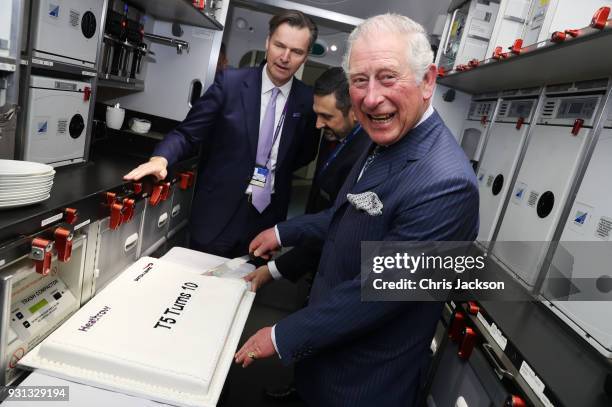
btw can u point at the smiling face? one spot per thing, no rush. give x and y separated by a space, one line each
384 92
286 51
334 123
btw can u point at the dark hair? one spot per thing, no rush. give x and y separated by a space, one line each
334 81
295 19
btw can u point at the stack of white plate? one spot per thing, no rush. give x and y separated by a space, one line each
24 182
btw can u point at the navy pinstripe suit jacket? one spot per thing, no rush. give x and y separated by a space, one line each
353 353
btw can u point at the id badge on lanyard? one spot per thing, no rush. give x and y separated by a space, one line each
261 173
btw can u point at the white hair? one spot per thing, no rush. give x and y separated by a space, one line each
418 49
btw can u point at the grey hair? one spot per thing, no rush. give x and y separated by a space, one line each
418 49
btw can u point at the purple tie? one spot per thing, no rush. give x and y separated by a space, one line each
262 195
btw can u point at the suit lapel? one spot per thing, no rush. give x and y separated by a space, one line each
251 103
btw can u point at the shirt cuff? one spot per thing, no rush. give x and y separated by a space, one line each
274 270
278 236
273 337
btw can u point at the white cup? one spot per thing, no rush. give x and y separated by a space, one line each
114 117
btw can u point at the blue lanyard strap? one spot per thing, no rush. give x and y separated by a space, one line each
279 126
339 148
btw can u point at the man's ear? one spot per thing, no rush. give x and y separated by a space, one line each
428 83
352 114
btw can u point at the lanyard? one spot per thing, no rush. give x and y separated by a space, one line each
339 148
279 126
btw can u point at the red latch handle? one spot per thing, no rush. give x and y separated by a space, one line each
558 36
600 18
519 122
86 94
155 197
467 343
110 197
186 180
456 327
165 191
128 210
441 72
473 308
71 215
483 120
462 67
63 243
578 123
573 33
474 63
515 401
137 187
42 254
499 54
517 47
116 215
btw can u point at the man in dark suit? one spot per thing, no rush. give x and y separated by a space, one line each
343 142
422 188
257 127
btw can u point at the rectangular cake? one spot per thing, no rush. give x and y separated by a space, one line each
156 326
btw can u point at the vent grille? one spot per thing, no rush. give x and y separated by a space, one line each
549 109
503 109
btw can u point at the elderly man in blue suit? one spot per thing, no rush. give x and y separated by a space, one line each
353 353
257 127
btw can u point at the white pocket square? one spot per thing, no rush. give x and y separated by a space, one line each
366 201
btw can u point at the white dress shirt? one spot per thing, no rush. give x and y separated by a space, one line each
281 100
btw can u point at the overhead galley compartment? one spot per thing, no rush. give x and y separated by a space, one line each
500 158
580 276
545 177
57 116
67 31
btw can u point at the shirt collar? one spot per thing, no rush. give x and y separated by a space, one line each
267 85
425 116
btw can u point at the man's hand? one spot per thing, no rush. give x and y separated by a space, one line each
157 166
259 277
258 346
264 244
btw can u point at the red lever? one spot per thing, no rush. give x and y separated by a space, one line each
110 197
165 191
116 215
86 93
441 72
63 243
456 327
128 210
558 36
520 122
517 46
467 344
499 54
474 63
473 308
573 33
155 195
600 18
186 180
483 120
71 215
515 401
577 126
137 187
42 254
462 67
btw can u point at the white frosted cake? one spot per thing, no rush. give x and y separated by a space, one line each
157 326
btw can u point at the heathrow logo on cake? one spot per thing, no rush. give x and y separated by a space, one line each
94 319
145 270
